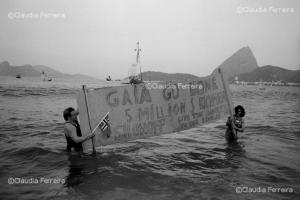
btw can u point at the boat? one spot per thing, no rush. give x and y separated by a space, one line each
261 85
132 72
45 76
18 76
108 78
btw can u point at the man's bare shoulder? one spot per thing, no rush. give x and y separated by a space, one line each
69 127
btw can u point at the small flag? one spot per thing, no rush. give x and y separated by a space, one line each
104 125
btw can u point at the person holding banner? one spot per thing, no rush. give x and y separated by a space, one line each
72 130
235 123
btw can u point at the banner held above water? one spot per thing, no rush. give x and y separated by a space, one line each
139 111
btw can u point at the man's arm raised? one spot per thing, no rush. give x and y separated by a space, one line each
73 135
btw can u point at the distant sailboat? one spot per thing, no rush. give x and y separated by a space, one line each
132 72
18 76
261 85
108 78
45 77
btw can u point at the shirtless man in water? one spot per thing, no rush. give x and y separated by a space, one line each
72 130
238 123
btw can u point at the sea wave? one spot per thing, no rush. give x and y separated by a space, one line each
35 91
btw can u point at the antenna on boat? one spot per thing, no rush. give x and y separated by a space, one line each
138 61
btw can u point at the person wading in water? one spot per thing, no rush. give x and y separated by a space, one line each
72 130
238 123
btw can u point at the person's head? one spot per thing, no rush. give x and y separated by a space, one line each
70 114
239 111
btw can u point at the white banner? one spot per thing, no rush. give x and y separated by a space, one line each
148 109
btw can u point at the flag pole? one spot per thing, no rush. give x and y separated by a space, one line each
227 100
88 114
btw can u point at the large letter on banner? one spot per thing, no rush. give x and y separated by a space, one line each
148 109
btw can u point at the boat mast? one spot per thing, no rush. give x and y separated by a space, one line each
138 61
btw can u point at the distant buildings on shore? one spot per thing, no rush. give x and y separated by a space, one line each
265 83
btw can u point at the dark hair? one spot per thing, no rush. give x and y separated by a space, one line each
239 107
67 113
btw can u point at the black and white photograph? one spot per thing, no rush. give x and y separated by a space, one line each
150 99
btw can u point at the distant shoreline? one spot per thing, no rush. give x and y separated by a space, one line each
266 85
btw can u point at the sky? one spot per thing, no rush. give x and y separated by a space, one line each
98 37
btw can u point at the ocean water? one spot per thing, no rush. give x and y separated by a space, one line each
193 164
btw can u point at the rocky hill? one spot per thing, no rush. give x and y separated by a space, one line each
270 73
25 70
240 62
34 71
